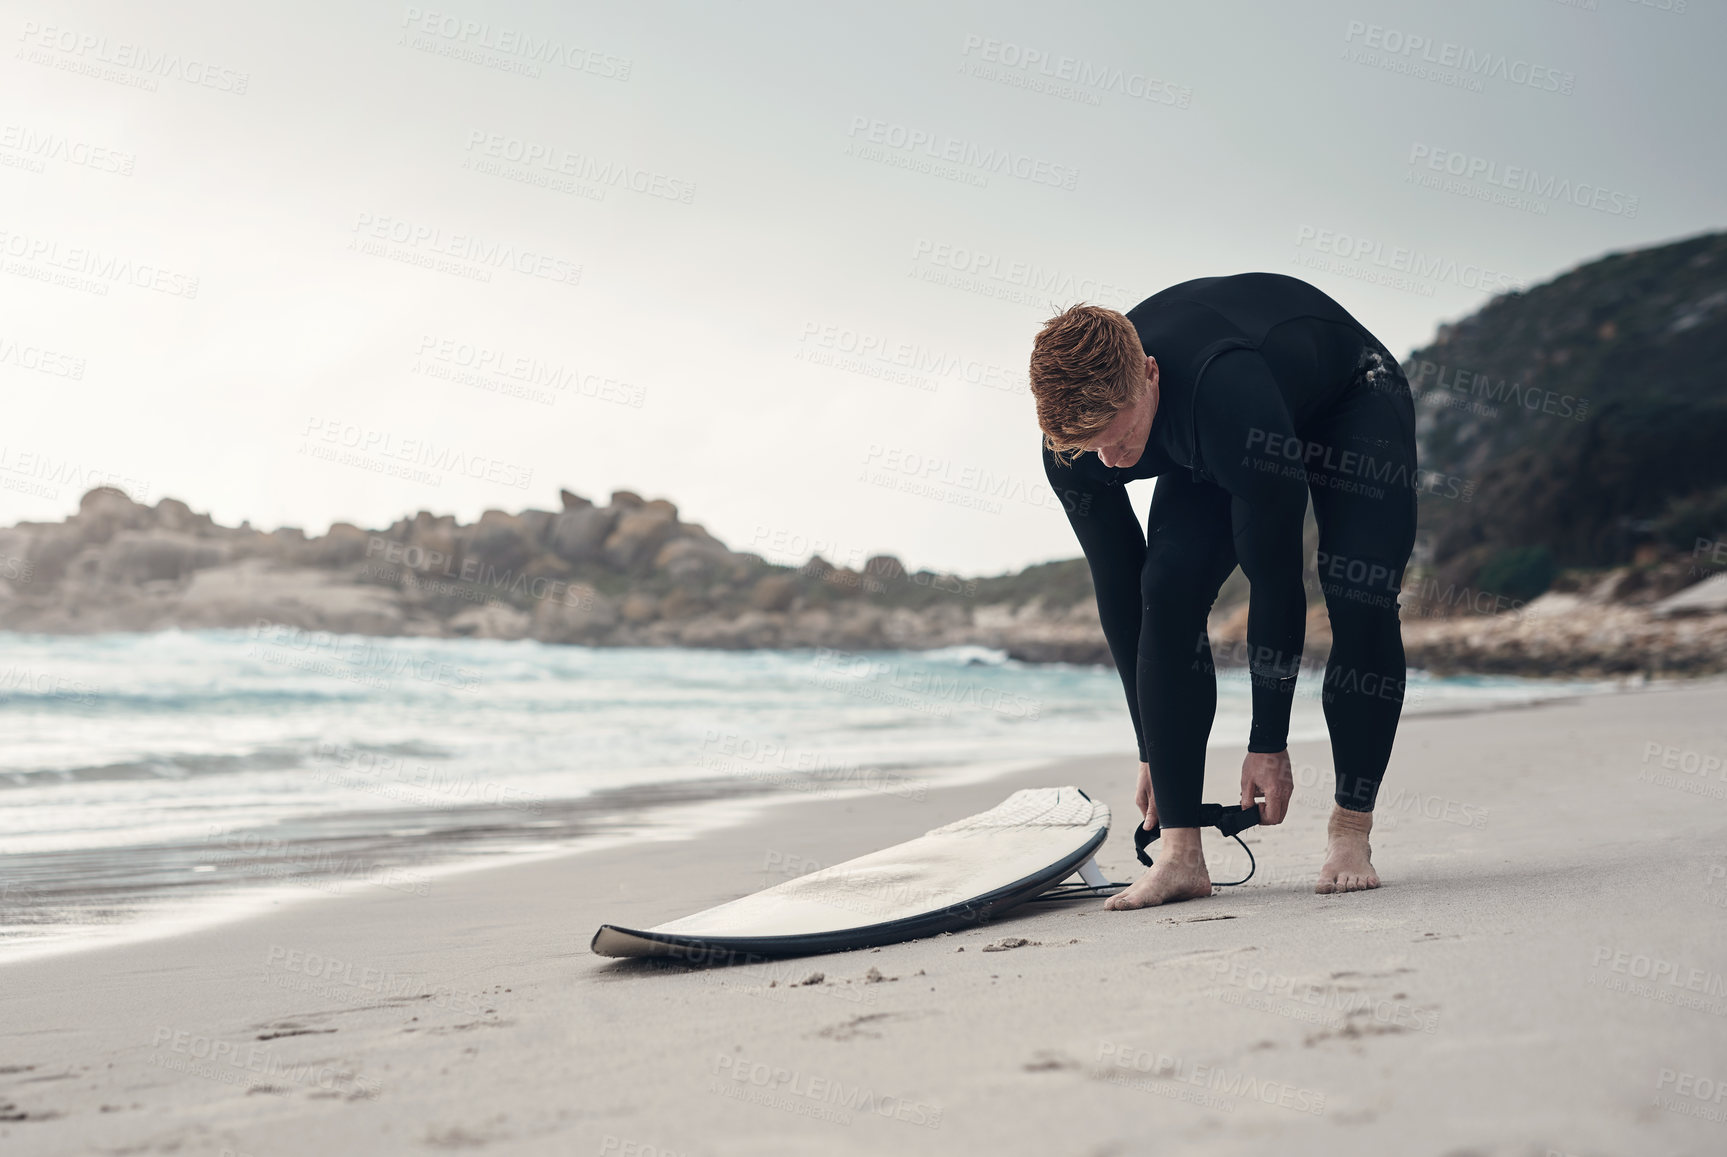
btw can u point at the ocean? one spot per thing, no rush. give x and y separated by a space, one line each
150 780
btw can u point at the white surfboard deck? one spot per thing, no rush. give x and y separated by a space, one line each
951 877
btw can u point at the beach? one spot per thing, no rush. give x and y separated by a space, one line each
1542 973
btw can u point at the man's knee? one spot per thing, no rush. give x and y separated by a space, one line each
1357 587
1171 590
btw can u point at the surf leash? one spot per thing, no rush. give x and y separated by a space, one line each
1230 819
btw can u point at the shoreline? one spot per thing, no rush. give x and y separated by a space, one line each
167 913
1506 963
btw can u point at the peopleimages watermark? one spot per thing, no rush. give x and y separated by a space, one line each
1659 979
42 475
1717 874
1065 77
935 152
463 255
231 1063
907 363
1315 678
926 684
1476 391
417 459
274 858
121 61
938 477
1319 463
799 769
1714 551
612 1145
87 269
39 684
518 375
22 147
1207 1085
878 896
814 1096
1695 770
563 170
1516 186
325 977
992 275
1671 7
1319 1003
1446 62
414 781
41 359
355 658
503 47
1690 1095
847 565
1395 266
17 569
424 566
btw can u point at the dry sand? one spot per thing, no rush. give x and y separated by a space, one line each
1543 973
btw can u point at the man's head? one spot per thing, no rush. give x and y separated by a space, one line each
1095 387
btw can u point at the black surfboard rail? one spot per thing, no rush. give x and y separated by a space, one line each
618 941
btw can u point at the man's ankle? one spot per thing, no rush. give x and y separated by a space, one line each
1183 847
1344 821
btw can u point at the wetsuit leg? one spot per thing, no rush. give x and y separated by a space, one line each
1362 471
1189 552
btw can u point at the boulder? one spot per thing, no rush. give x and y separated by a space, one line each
135 556
639 535
640 607
491 621
172 514
344 545
691 561
244 593
1708 597
535 524
884 568
579 534
582 616
51 550
105 511
773 592
499 542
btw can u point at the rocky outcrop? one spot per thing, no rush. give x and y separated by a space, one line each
1612 626
631 573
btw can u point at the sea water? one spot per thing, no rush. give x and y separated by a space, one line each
139 767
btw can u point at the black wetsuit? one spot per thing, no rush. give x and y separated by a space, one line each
1268 390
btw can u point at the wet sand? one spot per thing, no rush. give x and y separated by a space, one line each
1545 972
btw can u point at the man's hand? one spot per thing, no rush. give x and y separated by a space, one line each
1268 774
1143 798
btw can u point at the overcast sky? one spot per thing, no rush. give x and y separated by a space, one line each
780 263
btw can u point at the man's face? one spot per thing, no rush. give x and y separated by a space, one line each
1123 441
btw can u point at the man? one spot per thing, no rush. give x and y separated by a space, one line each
1242 395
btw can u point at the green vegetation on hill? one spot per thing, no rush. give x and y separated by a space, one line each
1586 416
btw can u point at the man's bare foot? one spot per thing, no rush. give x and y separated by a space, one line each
1348 858
1179 874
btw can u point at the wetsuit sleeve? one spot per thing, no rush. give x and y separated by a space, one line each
1114 546
1248 444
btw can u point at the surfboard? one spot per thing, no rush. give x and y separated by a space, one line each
949 878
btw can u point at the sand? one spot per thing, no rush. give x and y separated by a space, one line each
1543 973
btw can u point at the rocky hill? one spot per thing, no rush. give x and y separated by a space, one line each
1585 417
